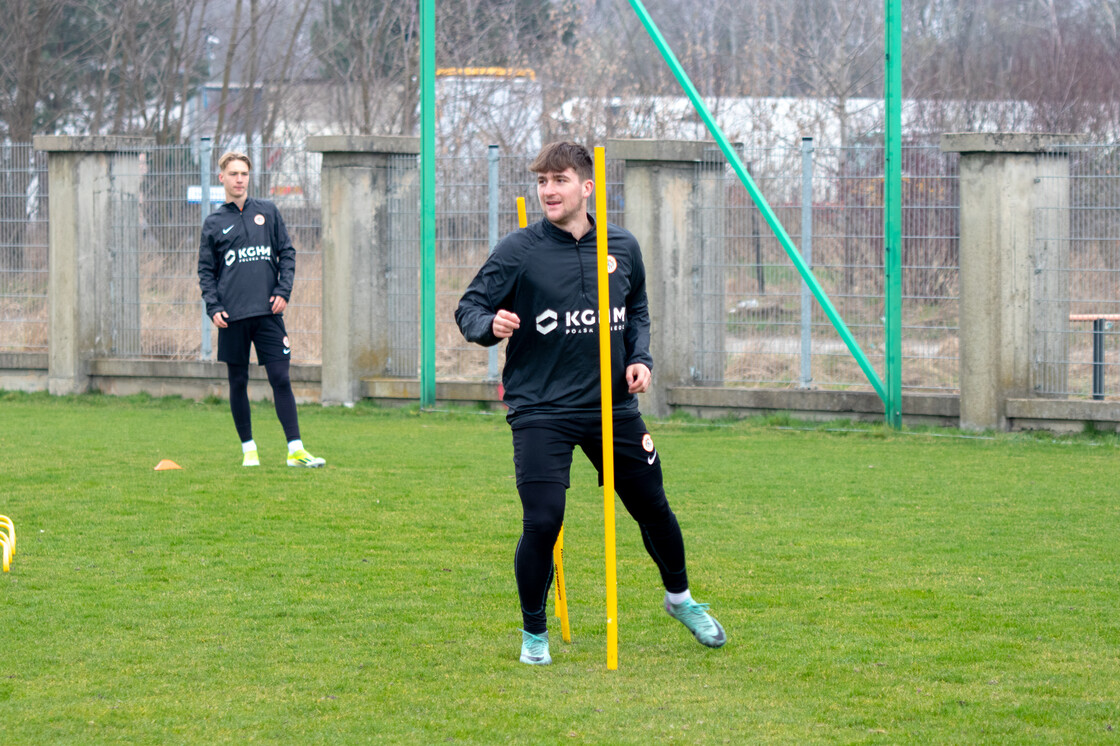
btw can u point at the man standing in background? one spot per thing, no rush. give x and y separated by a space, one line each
246 267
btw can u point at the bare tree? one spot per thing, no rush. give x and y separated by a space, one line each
227 72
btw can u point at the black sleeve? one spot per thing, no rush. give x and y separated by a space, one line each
286 256
637 313
489 292
208 269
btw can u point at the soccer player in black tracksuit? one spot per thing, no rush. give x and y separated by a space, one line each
246 266
538 289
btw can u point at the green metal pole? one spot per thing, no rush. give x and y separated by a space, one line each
427 203
892 219
759 201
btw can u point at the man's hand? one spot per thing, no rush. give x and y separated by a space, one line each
638 378
278 303
220 319
504 324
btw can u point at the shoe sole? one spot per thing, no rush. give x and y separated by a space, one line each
307 466
542 662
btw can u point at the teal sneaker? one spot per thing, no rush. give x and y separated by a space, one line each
700 623
534 649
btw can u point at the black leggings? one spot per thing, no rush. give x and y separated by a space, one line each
543 506
282 396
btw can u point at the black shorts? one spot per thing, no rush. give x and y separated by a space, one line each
266 333
542 450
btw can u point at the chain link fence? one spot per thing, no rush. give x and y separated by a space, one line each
830 200
1077 276
23 249
755 326
155 306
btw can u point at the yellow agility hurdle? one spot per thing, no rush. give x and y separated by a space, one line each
7 541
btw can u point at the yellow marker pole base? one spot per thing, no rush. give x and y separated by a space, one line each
607 399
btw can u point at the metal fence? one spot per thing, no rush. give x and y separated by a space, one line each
1077 275
23 249
830 201
154 306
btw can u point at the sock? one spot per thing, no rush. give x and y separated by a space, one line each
295 445
679 598
248 445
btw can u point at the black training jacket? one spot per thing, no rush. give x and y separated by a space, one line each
548 278
244 258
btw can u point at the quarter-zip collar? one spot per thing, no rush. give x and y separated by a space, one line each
563 236
588 280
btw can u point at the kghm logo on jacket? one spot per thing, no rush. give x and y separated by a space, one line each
585 321
546 321
248 254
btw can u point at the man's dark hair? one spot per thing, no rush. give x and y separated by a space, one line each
560 156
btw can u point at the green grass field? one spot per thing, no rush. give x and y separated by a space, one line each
876 587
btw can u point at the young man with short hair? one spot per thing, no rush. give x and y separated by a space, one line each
538 289
246 267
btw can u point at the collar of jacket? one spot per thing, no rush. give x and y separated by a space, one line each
559 234
232 207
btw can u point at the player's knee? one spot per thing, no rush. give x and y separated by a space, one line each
546 523
279 376
238 376
644 498
543 506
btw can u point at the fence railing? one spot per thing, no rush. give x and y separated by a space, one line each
24 222
156 311
155 305
1077 255
830 200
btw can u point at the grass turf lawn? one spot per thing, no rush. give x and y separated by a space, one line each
876 587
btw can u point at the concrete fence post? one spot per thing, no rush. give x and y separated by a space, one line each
83 173
1004 179
356 259
661 194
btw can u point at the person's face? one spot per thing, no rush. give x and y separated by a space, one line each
563 196
235 178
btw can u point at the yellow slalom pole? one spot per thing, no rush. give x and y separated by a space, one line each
558 548
561 594
522 218
607 405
